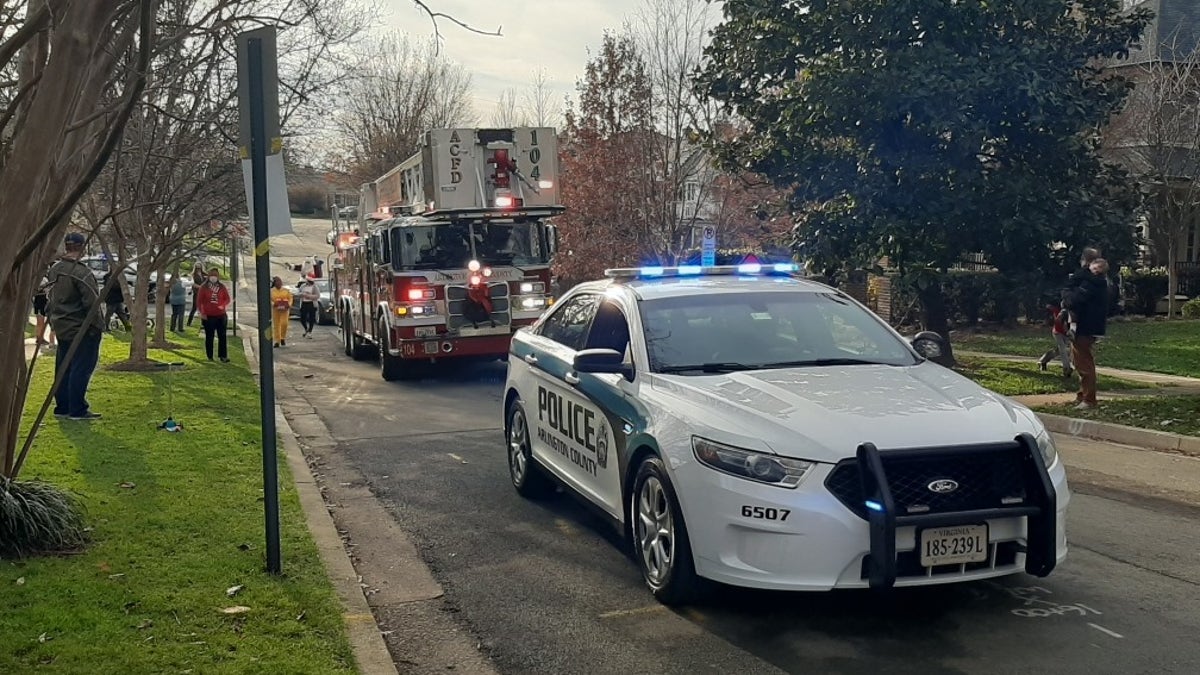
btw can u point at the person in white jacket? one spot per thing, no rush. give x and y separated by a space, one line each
310 298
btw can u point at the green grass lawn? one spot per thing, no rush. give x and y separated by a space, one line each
1171 347
1181 414
1016 379
177 520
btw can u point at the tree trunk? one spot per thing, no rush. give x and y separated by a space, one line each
16 292
161 291
138 309
1172 274
933 314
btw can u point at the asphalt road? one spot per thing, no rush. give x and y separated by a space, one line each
547 588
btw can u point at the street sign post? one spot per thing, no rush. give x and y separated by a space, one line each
708 252
258 105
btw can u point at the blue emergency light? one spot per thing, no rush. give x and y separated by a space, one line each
745 269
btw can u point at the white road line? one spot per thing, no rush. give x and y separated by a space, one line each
1106 631
454 456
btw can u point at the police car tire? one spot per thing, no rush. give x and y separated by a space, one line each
532 484
682 586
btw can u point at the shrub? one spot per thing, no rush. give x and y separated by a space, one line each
1143 289
1191 309
306 199
36 517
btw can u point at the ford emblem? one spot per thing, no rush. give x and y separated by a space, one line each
943 486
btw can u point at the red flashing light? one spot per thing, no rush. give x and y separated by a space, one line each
500 177
476 279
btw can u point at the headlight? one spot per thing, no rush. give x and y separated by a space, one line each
756 466
533 287
1046 446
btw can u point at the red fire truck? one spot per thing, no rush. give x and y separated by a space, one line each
453 250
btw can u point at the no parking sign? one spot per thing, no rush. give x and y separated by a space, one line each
708 251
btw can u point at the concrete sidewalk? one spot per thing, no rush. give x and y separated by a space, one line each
1097 466
1158 379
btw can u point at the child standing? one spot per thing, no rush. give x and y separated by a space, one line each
281 309
1062 347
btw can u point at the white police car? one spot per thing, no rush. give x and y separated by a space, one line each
748 427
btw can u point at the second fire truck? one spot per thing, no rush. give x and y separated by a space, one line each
453 250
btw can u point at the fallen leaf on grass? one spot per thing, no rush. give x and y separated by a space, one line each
116 576
234 590
244 547
105 567
236 609
146 623
300 617
45 637
20 581
128 485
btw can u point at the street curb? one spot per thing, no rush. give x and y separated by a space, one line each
1148 439
371 654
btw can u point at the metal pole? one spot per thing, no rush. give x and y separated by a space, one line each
234 275
262 268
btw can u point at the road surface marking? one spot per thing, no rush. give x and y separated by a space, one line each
650 609
454 456
1106 631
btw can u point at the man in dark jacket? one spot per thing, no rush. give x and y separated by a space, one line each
77 319
1086 298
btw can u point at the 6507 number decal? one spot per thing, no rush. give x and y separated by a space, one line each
765 513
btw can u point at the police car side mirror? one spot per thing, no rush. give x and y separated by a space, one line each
932 346
601 361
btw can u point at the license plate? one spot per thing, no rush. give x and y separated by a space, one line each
954 545
426 331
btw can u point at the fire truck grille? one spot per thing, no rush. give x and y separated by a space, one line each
456 299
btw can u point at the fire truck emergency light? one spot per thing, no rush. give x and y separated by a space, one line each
504 202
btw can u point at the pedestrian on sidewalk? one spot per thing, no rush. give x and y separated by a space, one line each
1086 298
197 282
40 300
73 306
1062 347
281 311
178 299
114 301
310 298
213 299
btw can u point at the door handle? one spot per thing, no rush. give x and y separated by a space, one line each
530 359
571 378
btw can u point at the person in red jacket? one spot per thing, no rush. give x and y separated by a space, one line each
1062 348
212 298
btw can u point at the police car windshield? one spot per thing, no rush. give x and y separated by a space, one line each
724 332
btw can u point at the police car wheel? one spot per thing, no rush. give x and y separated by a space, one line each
526 477
660 539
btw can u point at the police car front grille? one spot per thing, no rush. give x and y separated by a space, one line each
986 480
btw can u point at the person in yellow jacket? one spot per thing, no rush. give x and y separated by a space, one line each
281 309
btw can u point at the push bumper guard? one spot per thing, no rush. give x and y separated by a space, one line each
1040 507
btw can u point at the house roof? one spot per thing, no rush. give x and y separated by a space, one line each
1173 33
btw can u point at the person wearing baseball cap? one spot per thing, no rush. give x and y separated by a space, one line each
76 315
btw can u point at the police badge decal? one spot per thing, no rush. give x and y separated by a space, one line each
602 445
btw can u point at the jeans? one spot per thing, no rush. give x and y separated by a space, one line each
195 306
1085 365
308 316
177 318
214 326
1062 350
71 396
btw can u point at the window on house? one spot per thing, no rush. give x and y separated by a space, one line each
691 191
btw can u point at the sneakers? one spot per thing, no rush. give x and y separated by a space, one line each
224 360
1084 405
86 417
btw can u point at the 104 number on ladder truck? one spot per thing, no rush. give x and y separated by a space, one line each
453 251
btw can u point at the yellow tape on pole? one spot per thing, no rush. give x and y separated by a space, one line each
263 248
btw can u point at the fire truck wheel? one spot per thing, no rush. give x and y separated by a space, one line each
526 476
347 344
392 368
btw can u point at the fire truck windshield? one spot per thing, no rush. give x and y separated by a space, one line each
453 245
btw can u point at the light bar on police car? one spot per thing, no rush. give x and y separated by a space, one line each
745 269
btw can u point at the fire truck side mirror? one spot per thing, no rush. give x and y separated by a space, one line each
552 239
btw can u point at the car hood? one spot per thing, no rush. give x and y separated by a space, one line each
824 413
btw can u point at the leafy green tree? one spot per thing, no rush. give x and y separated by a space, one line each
921 130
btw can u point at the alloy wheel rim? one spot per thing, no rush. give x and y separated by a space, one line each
516 447
656 531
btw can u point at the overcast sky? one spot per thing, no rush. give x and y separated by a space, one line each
551 34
